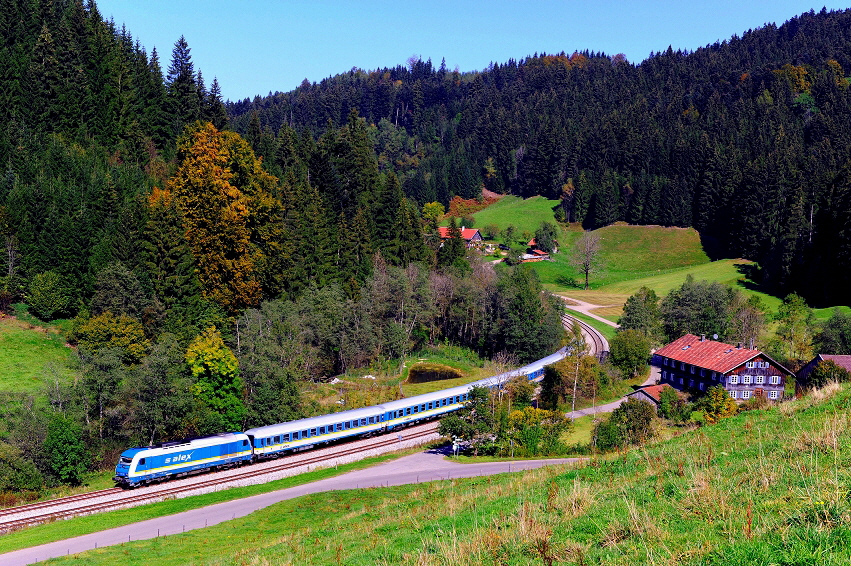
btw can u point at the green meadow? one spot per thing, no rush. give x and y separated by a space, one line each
33 354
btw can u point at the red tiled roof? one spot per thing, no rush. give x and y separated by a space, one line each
466 233
842 361
532 243
708 354
539 252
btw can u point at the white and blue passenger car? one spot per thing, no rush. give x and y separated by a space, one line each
138 466
145 465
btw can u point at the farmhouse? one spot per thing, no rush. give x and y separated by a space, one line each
696 364
470 235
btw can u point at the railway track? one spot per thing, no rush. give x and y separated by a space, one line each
598 345
132 499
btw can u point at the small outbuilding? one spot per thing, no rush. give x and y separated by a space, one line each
803 374
652 393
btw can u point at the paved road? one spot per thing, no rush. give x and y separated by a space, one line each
422 467
586 308
609 407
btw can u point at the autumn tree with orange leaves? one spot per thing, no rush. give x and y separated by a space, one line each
225 199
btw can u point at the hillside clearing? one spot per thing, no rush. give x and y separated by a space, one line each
32 356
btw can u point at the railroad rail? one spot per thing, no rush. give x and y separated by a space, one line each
132 499
598 346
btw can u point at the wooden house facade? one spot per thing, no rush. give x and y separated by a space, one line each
693 363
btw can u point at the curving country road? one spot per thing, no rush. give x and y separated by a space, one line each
422 467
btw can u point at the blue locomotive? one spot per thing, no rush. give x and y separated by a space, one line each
145 465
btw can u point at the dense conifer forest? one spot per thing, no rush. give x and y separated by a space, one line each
745 140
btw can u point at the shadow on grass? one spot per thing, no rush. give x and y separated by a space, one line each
569 282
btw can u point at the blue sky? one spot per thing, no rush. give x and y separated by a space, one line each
258 46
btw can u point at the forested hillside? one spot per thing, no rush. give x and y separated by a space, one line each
206 287
745 140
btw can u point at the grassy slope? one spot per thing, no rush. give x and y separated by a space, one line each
524 214
50 532
765 487
32 355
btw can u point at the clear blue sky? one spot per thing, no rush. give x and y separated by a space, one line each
258 46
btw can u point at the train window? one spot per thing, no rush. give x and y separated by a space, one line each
277 439
142 462
345 425
371 420
363 422
269 441
422 407
313 432
304 434
245 443
407 410
416 408
322 430
287 437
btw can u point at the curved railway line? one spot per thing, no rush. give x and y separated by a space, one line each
597 344
152 494
14 518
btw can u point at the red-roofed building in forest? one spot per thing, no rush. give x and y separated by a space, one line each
470 235
695 363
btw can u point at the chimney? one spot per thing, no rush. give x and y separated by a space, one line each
738 345
702 337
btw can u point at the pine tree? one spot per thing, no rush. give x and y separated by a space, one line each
182 87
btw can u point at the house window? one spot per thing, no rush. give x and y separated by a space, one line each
664 375
772 394
746 379
714 376
702 372
733 379
665 361
759 379
691 383
774 380
746 394
692 369
681 381
682 365
750 364
701 386
733 394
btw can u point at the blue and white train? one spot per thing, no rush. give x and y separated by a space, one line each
146 465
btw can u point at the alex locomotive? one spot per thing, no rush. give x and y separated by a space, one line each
146 465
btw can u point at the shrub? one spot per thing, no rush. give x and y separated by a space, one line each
629 424
717 405
48 296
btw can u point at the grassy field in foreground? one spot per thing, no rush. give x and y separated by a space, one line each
92 523
32 355
764 487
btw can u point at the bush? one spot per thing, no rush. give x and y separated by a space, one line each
674 407
717 405
628 424
48 297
